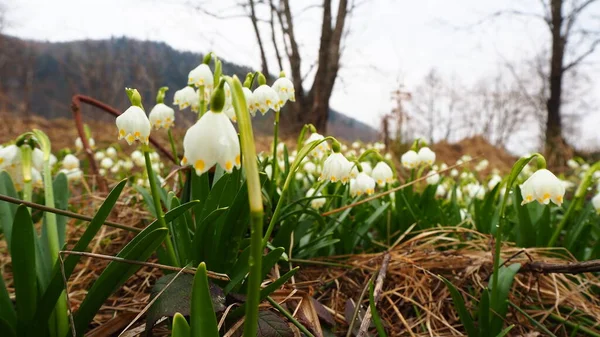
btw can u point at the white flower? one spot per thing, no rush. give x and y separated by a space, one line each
585 167
426 156
596 202
285 90
440 191
459 194
37 159
410 159
79 143
321 149
36 178
138 158
99 155
128 165
106 163
315 203
133 124
382 173
73 174
367 168
475 191
572 163
10 157
162 116
265 98
186 97
495 180
543 186
336 168
355 145
363 184
482 165
432 178
201 75
269 171
310 167
211 140
250 101
387 156
111 152
70 162
379 146
454 173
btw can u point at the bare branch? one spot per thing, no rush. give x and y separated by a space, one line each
581 57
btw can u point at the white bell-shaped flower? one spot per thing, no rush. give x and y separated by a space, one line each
70 162
211 140
201 75
265 98
79 143
73 174
37 159
433 177
440 191
310 167
596 202
315 203
133 124
426 156
336 168
367 168
111 152
544 187
106 163
138 158
186 97
10 157
382 173
495 180
285 90
475 191
321 149
572 163
99 155
410 159
162 116
250 102
363 184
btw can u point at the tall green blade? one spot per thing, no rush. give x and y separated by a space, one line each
202 315
7 310
23 264
7 210
181 328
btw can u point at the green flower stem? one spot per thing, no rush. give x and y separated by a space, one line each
202 105
26 153
160 215
576 203
256 205
176 155
303 152
514 174
275 164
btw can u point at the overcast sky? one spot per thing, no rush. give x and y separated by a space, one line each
390 41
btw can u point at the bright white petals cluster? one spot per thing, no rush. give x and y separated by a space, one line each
382 173
70 167
426 156
410 159
211 140
321 149
363 184
285 90
186 97
433 177
201 75
162 116
79 143
544 187
265 98
133 124
336 168
315 203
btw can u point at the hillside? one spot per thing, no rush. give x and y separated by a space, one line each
39 78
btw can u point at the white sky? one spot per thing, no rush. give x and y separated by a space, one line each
389 41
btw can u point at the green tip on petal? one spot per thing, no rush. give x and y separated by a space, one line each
207 58
335 146
134 97
217 101
282 74
160 96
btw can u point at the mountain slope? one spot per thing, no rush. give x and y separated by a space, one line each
41 77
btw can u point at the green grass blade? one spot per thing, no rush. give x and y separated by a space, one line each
181 328
23 264
7 210
374 313
181 236
7 310
115 274
56 285
506 276
202 315
461 309
484 312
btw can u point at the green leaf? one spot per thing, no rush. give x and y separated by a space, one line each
198 241
181 328
7 329
374 313
7 310
459 305
484 312
181 236
506 276
526 235
147 199
268 262
505 331
202 316
271 325
61 201
238 271
117 273
56 285
23 264
7 210
177 297
178 211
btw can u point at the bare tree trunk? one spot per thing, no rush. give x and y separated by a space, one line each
554 138
263 58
